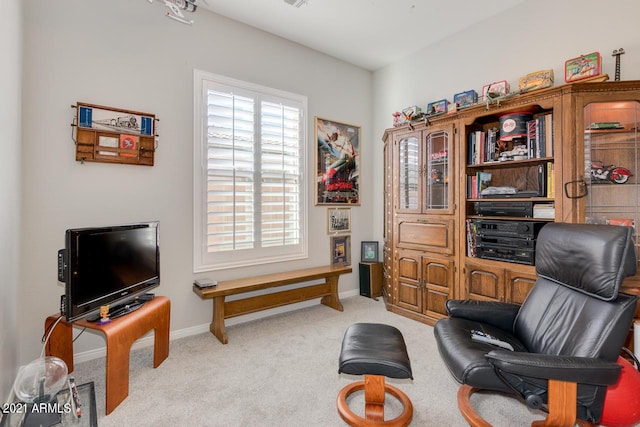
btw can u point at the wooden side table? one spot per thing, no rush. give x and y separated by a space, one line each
120 334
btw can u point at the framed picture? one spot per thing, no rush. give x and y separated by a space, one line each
582 67
337 175
341 250
369 252
338 220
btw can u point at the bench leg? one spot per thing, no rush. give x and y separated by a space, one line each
217 322
332 300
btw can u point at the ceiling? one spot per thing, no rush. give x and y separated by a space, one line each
367 33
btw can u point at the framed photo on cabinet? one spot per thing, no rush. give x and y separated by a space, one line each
338 220
337 174
369 252
341 250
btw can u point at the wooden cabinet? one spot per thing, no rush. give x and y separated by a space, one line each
489 281
424 284
606 125
525 166
423 164
606 184
420 239
387 251
433 195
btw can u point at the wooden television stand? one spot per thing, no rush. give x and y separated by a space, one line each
120 334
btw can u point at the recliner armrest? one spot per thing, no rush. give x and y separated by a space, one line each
499 314
581 370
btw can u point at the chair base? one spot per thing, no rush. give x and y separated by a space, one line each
374 394
555 418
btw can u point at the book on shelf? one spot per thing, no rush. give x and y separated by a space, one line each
550 180
540 136
482 146
544 211
548 119
476 183
472 233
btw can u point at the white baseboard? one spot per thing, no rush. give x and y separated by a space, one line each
147 340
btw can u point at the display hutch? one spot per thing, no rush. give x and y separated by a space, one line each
420 257
607 185
436 211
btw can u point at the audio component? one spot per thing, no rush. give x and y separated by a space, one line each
518 209
520 229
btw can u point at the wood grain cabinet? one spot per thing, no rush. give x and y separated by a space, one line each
420 241
433 196
488 281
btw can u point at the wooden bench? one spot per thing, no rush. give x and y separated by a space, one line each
222 309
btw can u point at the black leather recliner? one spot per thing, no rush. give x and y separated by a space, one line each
570 329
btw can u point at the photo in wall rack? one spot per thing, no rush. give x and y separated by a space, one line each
340 250
337 174
369 251
114 120
338 220
128 142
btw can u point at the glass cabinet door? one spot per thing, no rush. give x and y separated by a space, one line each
409 174
437 171
611 161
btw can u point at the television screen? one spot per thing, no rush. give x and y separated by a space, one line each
109 266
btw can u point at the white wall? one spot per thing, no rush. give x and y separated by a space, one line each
126 54
10 106
532 36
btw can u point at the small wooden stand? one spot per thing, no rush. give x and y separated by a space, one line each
120 334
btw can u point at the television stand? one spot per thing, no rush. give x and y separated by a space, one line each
119 334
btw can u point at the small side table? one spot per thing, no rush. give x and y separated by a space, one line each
120 334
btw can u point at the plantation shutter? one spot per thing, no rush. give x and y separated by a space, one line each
252 204
230 172
249 191
280 174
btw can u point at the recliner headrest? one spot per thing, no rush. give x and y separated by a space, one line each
593 259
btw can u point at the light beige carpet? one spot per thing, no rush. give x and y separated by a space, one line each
283 371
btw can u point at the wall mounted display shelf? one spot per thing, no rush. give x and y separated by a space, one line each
113 135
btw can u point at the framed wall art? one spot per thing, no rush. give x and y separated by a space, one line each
337 175
341 250
338 220
369 251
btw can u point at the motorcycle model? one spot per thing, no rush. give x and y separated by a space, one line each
601 173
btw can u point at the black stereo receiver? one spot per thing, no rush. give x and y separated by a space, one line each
518 209
519 229
520 256
505 242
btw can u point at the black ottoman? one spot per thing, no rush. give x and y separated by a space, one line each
375 351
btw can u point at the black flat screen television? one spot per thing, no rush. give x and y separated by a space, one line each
108 266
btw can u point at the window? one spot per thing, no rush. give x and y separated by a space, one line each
250 197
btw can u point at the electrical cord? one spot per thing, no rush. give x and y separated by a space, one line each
47 334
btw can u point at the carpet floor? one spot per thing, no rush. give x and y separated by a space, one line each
283 371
